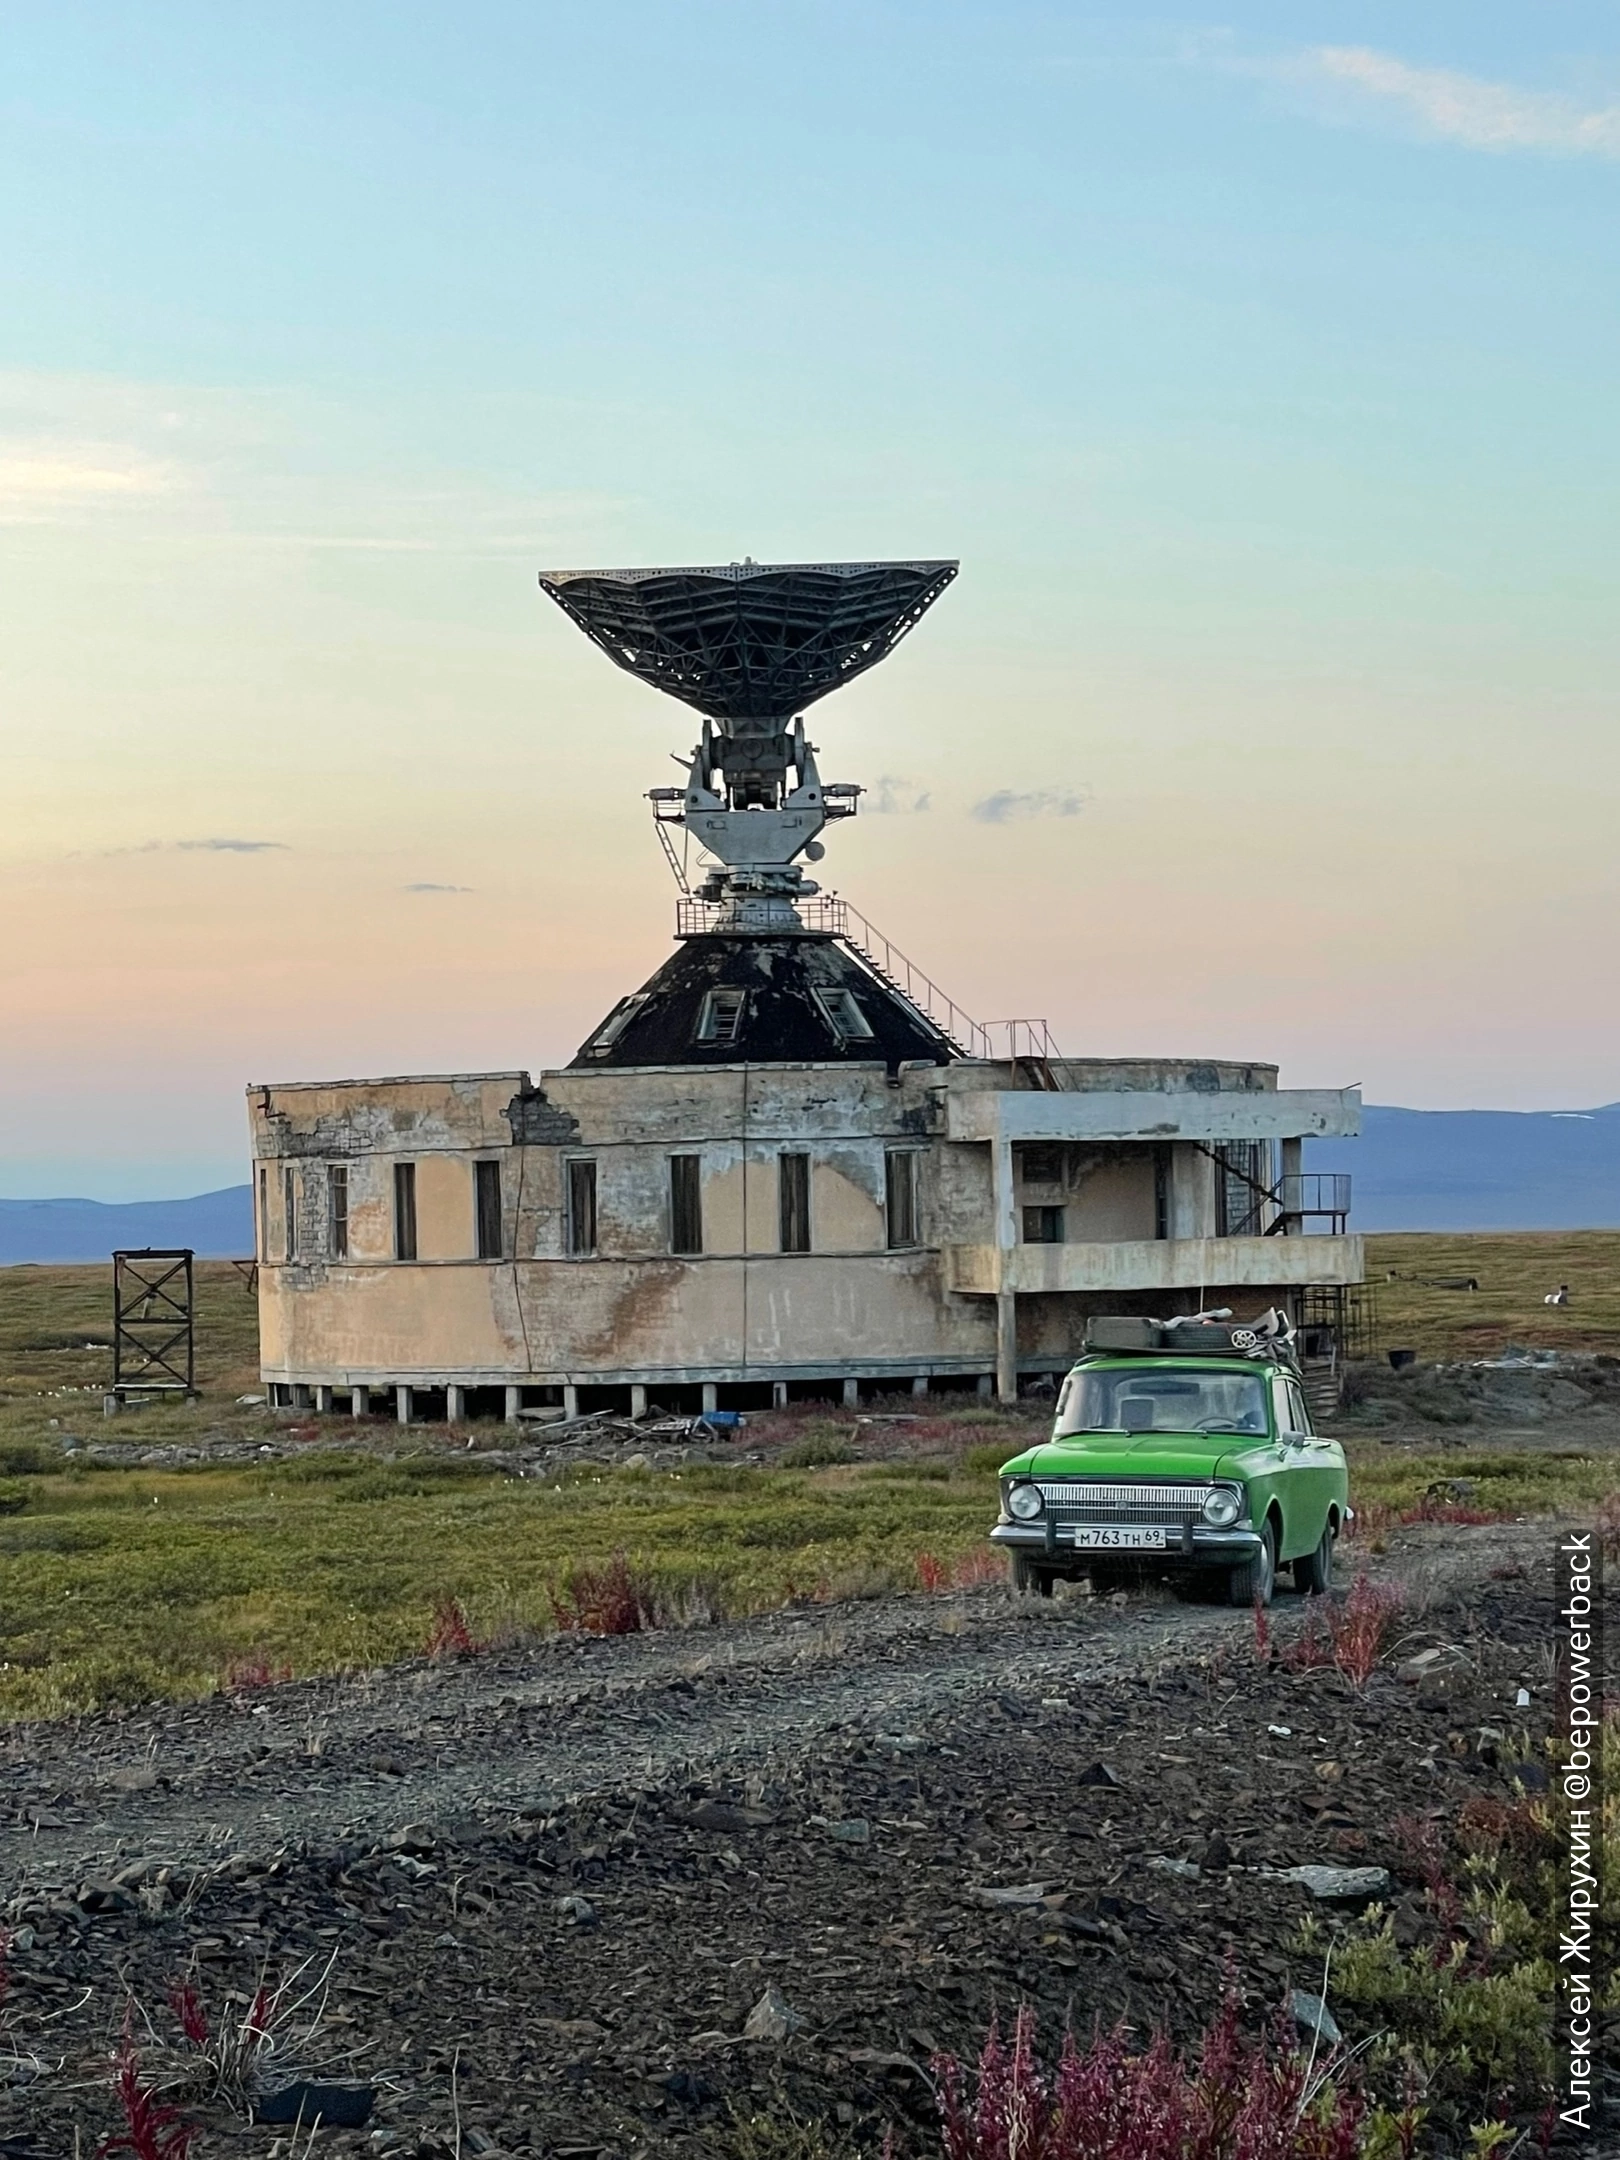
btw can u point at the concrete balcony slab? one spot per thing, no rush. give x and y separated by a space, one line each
1138 1114
1271 1263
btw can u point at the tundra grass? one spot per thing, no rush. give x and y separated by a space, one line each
1514 1272
1498 1482
120 1586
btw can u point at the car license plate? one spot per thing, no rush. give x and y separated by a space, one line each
1117 1539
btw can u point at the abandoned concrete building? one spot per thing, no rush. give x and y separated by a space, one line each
787 1166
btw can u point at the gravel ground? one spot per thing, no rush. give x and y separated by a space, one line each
551 1884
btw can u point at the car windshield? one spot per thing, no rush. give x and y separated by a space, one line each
1139 1400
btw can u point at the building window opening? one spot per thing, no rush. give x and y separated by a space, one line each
721 1018
793 1194
615 1024
842 1013
1041 1165
581 1206
685 1203
900 1197
404 1211
289 1213
261 1243
337 1210
1043 1226
1161 1192
487 1194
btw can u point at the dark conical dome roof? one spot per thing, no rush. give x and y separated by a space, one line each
793 1000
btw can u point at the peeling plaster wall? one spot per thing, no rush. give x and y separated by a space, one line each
631 1308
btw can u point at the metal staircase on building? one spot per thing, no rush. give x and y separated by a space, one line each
1034 1056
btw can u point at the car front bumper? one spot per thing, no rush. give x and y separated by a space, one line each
1193 1544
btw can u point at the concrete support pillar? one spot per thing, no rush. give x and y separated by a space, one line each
985 1386
638 1401
360 1402
1192 1193
711 1395
1293 1165
300 1395
778 1394
323 1401
1007 1345
514 1403
570 1400
455 1404
919 1385
1006 1218
852 1394
402 1403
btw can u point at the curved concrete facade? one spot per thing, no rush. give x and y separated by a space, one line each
430 1234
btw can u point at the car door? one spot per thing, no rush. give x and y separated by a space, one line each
1315 1471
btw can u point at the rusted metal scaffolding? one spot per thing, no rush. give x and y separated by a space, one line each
154 1322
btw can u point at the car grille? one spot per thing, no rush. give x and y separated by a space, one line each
1072 1501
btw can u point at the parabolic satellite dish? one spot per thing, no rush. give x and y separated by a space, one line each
749 641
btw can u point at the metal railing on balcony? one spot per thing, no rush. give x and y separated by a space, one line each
1033 1054
1311 1196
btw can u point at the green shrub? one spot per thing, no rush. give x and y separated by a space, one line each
992 1456
14 1496
816 1453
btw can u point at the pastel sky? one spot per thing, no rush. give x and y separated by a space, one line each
1259 368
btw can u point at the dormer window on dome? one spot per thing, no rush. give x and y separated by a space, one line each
720 1018
841 1010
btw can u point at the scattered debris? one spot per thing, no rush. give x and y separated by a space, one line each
772 2017
311 2106
1311 2014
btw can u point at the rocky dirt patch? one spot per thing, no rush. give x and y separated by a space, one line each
594 1898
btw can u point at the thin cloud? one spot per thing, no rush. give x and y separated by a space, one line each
1006 807
218 846
424 886
1463 108
230 847
897 797
43 482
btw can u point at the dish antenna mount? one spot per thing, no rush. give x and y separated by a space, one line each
750 645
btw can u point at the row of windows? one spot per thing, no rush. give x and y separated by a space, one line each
487 1229
903 1217
794 1230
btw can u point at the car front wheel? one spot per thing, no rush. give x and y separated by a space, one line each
1313 1573
1027 1577
1254 1581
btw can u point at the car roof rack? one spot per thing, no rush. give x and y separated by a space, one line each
1208 1334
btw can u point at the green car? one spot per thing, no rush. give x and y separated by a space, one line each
1181 1447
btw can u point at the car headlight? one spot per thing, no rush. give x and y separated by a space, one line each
1024 1503
1222 1508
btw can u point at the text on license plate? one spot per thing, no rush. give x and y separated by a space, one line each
1119 1537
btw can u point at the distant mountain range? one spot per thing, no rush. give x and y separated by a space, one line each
1412 1170
217 1225
1480 1169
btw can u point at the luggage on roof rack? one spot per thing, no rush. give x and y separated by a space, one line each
1270 1334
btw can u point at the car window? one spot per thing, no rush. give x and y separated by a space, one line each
1301 1418
1142 1399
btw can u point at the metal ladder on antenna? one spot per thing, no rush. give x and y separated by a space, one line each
891 966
